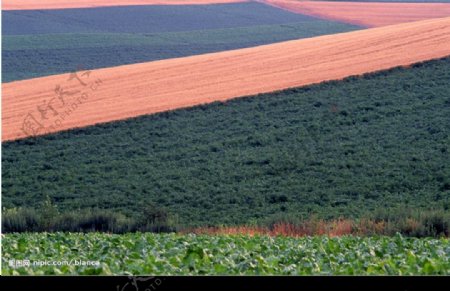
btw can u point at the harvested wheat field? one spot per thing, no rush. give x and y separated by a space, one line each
62 4
127 91
370 14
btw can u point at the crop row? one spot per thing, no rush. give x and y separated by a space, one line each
338 149
30 56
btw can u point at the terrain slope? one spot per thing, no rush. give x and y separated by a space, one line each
132 90
63 4
366 14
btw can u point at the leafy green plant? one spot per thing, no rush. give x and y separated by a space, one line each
172 254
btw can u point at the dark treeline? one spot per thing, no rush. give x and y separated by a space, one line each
48 218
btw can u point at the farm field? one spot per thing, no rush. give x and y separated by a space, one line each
338 149
133 90
46 42
368 14
171 254
225 137
64 4
145 19
31 56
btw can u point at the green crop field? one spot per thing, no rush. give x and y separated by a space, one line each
171 254
34 48
336 149
344 177
31 56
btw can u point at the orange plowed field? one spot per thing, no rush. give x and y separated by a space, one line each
369 14
61 4
132 90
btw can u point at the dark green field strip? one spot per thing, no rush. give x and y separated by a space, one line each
145 19
335 149
29 56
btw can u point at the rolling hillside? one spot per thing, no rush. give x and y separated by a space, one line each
225 137
144 19
32 56
366 14
343 148
133 90
64 4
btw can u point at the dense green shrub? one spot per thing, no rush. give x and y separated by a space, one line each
253 158
156 219
86 220
413 222
20 220
93 220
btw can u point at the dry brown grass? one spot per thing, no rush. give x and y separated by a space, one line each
333 228
313 227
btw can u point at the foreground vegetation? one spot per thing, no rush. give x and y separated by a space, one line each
338 149
172 254
48 218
